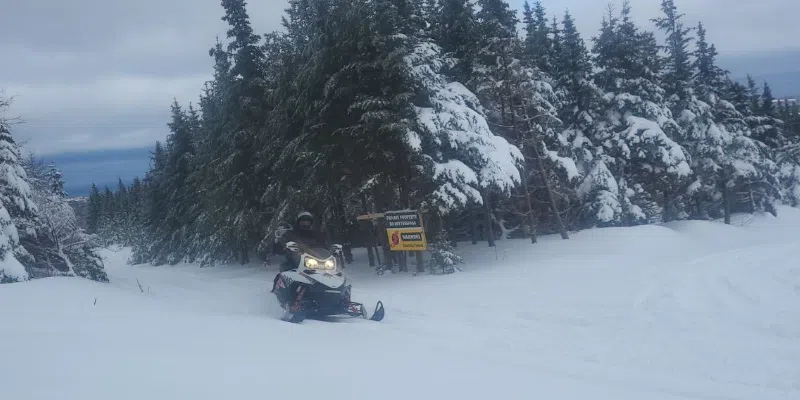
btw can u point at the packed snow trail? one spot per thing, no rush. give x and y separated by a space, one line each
689 310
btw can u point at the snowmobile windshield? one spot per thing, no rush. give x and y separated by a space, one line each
317 252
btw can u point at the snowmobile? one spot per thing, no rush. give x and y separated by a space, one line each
316 287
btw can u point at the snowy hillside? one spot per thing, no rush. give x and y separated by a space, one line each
690 310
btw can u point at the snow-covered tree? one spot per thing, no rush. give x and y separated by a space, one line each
35 219
522 107
61 245
727 159
11 270
443 259
15 191
638 161
57 216
539 46
455 30
788 156
677 63
580 105
459 150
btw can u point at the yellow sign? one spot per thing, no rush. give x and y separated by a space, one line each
405 231
412 239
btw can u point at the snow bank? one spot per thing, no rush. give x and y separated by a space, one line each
686 310
11 268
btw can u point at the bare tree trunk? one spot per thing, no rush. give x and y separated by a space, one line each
377 252
531 219
405 201
489 223
245 257
387 254
402 260
370 254
698 207
370 242
426 222
546 181
344 233
473 224
381 234
524 171
553 207
452 237
726 201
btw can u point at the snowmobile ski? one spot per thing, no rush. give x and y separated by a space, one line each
379 313
294 318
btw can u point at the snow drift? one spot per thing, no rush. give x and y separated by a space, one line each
687 310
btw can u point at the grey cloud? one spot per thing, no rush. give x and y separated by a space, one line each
116 113
100 74
763 63
93 74
91 25
734 26
83 39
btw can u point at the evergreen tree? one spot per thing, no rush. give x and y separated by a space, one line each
754 94
455 30
581 100
95 209
522 106
15 191
180 149
538 43
709 78
237 181
677 64
726 158
767 102
637 160
767 126
15 205
448 140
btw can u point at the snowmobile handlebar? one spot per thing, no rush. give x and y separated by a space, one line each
335 248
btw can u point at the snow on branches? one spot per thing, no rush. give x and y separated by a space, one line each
453 136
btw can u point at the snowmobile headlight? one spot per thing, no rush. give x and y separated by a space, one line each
312 263
329 264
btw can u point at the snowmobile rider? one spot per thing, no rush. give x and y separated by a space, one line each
302 233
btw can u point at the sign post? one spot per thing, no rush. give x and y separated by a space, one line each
405 231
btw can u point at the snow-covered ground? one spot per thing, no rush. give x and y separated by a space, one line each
690 310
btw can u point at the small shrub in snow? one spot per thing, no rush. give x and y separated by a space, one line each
443 260
86 263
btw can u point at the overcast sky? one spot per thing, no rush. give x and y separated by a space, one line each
100 74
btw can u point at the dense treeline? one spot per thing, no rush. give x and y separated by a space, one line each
444 106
